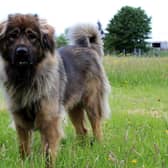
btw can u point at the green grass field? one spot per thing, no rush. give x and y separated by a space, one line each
136 135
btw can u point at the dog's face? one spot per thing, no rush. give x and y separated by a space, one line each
24 39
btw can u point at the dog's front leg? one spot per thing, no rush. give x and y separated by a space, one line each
50 135
48 121
24 137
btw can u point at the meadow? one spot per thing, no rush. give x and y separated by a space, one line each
135 136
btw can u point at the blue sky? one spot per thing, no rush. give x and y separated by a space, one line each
64 13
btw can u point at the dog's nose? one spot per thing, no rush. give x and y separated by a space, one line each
21 51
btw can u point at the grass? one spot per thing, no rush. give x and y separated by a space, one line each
135 136
133 71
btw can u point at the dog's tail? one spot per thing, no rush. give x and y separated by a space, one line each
86 35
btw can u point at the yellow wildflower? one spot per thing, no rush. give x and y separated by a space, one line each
134 161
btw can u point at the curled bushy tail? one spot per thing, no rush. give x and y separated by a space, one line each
86 35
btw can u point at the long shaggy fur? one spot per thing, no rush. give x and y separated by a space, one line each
86 35
34 91
47 82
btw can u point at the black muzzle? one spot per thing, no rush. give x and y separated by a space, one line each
22 56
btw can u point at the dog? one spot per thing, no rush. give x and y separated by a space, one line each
41 83
87 87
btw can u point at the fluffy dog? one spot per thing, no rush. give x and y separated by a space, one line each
87 87
41 82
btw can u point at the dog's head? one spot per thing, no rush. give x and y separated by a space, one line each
24 39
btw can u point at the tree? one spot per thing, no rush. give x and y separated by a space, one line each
128 30
61 41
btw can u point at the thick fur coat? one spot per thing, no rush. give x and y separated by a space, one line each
41 82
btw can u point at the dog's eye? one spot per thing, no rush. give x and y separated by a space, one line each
12 36
31 36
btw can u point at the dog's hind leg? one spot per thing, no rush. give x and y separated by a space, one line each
77 117
94 110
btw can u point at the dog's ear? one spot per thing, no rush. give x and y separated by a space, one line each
10 16
36 15
3 27
47 36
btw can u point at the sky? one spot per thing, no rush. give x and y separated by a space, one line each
64 13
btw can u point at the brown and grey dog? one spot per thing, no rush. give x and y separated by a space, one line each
41 83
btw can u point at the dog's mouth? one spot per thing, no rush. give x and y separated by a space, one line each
22 61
